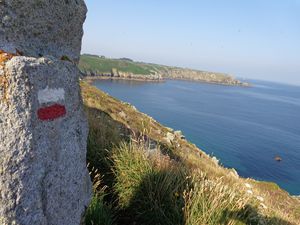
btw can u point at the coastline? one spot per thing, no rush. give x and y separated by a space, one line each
90 79
95 67
210 82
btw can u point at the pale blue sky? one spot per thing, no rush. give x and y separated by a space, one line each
247 38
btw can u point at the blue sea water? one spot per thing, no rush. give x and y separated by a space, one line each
244 127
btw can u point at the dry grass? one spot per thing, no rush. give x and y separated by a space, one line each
214 202
99 212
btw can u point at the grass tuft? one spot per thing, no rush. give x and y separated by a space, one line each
99 212
150 188
213 202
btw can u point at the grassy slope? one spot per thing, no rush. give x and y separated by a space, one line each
91 63
103 65
111 119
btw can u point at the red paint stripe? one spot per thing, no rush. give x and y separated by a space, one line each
51 112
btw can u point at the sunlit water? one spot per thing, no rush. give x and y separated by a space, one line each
244 127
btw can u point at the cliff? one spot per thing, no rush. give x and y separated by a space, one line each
95 66
196 75
151 174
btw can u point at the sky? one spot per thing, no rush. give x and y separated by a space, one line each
254 39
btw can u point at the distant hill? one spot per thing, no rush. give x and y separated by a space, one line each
92 65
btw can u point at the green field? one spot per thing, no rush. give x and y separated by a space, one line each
98 65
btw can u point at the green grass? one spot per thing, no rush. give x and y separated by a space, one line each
99 212
102 65
148 188
103 135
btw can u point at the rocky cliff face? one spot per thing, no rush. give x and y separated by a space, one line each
203 76
43 130
39 27
139 76
177 73
127 69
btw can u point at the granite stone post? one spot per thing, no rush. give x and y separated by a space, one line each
43 130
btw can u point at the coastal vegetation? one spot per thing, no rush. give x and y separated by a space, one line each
124 68
92 65
146 173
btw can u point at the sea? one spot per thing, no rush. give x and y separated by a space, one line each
244 127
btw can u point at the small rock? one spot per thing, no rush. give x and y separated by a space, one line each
260 198
179 134
248 185
122 114
278 158
250 192
215 160
169 137
234 173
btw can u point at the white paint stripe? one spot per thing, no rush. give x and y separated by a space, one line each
51 95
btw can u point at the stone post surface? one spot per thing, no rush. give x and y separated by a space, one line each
43 130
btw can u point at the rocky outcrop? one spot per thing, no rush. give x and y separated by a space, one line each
175 73
139 76
202 76
39 27
116 74
43 130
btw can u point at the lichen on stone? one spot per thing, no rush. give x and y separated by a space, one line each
4 83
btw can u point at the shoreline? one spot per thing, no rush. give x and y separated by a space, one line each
246 85
90 79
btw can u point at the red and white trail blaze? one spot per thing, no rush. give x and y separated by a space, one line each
54 110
